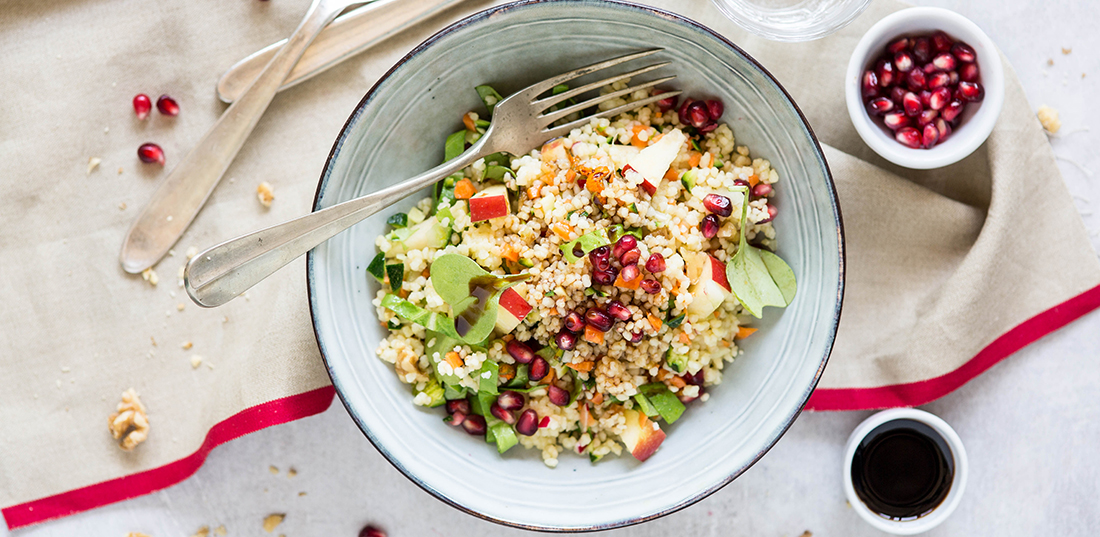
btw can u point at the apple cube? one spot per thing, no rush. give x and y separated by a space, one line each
711 290
642 436
491 202
652 162
513 309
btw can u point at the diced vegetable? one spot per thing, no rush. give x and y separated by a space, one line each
464 189
428 234
377 267
744 332
688 180
677 362
398 220
453 392
433 390
643 404
415 314
504 436
489 96
663 401
396 274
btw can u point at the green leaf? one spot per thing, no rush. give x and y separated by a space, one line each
504 435
488 385
618 230
455 145
489 96
667 405
396 272
675 321
434 390
497 173
521 378
451 275
456 279
645 406
782 275
498 159
398 220
756 276
453 392
441 344
560 88
587 242
576 390
377 266
415 314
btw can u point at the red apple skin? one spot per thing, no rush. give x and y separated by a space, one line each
489 203
514 304
648 439
718 273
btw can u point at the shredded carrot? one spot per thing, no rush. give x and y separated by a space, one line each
744 332
403 293
671 175
693 158
585 366
468 120
724 343
663 374
597 399
684 338
454 359
507 337
570 175
654 321
678 382
507 372
427 273
533 191
562 230
586 417
653 139
635 140
510 253
464 189
753 179
550 377
592 335
632 284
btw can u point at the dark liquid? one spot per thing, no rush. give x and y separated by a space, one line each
903 470
481 289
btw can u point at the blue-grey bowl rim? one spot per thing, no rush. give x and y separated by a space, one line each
519 4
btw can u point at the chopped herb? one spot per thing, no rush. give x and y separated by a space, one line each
455 145
675 321
481 123
496 172
377 266
412 313
694 144
610 141
663 401
645 406
396 273
393 324
592 291
587 242
398 220
488 385
489 96
455 392
433 391
504 435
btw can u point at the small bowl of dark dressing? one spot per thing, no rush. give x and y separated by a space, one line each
904 471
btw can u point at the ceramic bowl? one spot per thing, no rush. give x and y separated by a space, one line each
976 121
398 131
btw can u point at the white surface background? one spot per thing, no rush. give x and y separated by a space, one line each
1031 424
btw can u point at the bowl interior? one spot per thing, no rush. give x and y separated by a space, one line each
398 131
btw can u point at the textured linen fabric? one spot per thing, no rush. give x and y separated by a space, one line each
940 262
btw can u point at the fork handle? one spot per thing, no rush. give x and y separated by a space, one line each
217 275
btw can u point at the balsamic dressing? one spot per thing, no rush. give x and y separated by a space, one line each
903 469
481 289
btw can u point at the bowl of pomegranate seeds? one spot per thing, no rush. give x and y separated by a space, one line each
924 87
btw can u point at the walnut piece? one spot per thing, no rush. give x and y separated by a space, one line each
136 534
150 276
272 521
203 532
129 424
265 194
1049 118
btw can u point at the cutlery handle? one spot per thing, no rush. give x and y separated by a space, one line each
184 191
349 34
219 274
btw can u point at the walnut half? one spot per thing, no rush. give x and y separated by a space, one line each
129 424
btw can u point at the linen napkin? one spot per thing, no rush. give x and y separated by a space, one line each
948 271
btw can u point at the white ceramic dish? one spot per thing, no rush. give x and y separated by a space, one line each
976 121
958 483
398 130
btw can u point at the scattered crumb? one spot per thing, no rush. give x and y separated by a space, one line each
122 206
168 218
59 384
106 130
1082 75
265 194
272 521
136 534
93 163
1066 50
807 534
303 493
273 470
291 472
180 306
186 345
196 361
129 424
203 532
153 340
209 365
225 319
150 276
191 252
171 253
1049 118
120 170
1050 61
220 530
66 369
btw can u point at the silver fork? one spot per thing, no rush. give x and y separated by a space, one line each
520 122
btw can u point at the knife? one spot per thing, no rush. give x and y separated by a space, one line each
350 34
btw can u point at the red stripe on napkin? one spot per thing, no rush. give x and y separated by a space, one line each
244 422
919 393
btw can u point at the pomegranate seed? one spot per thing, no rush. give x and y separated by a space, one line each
943 127
941 42
762 190
617 310
574 322
623 245
885 72
142 105
539 368
651 286
909 136
709 226
528 423
928 68
718 204
741 182
929 136
898 45
938 80
633 337
922 49
168 106
870 84
631 272
600 258
715 109
968 72
558 396
581 182
456 419
544 422
605 277
903 61
927 117
970 91
631 257
599 319
150 153
474 425
952 110
697 114
565 339
912 104
897 93
940 98
944 62
666 104
772 211
520 351
953 77
683 111
964 53
710 125
925 98
915 80
458 405
896 120
371 531
880 105
501 414
655 264
696 379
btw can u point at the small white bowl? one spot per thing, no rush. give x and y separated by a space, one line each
977 120
958 483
